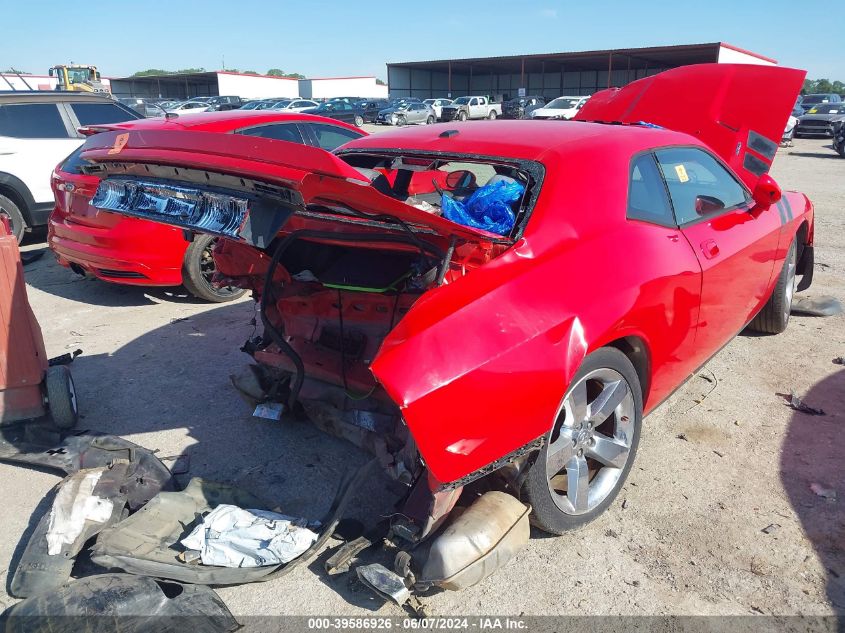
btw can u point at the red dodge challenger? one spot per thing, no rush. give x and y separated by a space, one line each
131 251
501 299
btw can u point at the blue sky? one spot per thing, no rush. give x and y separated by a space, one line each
324 38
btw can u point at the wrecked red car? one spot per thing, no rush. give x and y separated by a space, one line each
506 300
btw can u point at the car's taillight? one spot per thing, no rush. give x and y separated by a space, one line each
209 212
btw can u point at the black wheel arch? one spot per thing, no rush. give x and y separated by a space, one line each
14 188
637 352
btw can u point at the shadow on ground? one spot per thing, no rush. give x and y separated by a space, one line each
46 275
812 473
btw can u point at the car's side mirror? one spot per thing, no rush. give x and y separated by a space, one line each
766 192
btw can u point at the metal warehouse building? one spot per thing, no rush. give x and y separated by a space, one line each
555 74
221 82
206 84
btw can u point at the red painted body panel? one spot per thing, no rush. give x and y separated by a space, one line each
479 365
717 103
100 242
23 359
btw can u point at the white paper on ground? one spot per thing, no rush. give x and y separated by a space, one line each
230 536
75 504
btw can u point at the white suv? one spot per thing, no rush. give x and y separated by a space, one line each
37 131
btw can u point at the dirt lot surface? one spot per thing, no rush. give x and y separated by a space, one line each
723 459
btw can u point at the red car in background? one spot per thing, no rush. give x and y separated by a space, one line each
505 299
132 251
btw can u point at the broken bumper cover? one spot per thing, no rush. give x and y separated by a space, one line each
117 602
129 476
145 543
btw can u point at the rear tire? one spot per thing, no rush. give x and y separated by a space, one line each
359 121
11 211
61 397
492 115
198 268
594 437
774 317
429 120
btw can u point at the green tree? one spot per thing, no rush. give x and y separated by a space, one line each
815 86
159 71
380 82
278 72
16 71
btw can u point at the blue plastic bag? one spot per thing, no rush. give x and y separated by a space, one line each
488 208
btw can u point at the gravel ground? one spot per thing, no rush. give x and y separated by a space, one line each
723 459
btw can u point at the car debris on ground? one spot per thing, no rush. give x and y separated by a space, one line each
230 536
799 405
96 603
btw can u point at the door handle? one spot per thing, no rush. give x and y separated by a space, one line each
709 248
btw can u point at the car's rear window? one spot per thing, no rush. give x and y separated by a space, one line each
99 113
73 164
32 120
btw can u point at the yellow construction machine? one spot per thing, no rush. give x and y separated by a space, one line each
78 78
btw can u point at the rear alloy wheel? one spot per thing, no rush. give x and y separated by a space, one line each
491 115
591 447
10 210
774 317
429 120
359 120
198 270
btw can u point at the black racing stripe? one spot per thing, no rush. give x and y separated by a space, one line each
755 165
781 212
788 207
762 145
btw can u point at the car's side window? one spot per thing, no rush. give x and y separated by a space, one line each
100 113
278 131
647 198
698 184
32 120
330 137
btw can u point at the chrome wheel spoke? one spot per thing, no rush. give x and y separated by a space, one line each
608 450
611 396
559 453
577 401
578 483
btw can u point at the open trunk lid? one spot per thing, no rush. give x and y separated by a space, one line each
240 187
738 110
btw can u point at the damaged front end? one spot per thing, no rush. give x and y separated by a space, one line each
339 254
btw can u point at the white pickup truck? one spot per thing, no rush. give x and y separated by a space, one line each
464 108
